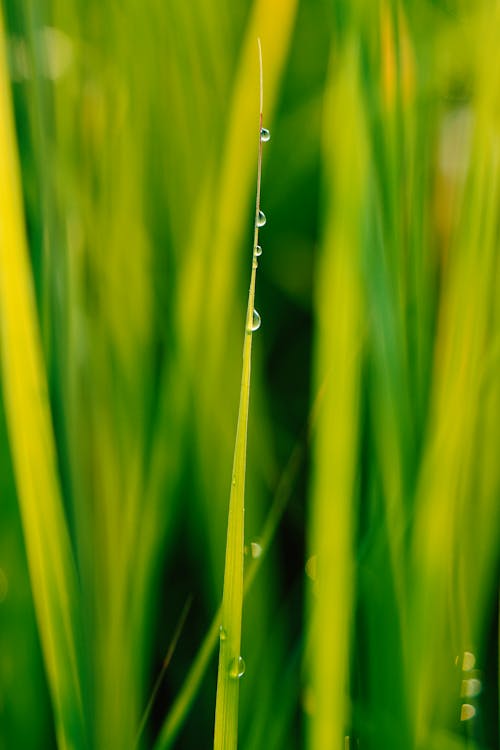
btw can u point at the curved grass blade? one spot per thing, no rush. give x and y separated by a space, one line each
51 565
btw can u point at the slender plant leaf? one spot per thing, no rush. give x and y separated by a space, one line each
339 306
184 699
231 664
51 565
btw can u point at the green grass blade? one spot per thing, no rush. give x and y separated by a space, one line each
178 712
52 572
231 666
338 355
226 183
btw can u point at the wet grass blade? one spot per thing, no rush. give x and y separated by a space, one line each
231 665
184 699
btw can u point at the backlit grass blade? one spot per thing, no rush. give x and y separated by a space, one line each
220 216
51 566
178 712
231 664
339 310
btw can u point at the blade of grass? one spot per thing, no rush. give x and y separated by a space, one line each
221 211
51 565
339 305
230 662
164 667
178 713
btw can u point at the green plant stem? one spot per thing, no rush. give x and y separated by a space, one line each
178 713
226 709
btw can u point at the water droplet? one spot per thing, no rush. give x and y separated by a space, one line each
467 712
222 634
470 688
237 668
312 567
469 661
261 218
255 550
255 322
258 250
265 135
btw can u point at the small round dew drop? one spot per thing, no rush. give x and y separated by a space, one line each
257 251
471 688
256 321
468 661
222 634
237 668
255 549
261 219
467 712
265 135
312 567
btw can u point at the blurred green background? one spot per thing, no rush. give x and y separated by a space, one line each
375 400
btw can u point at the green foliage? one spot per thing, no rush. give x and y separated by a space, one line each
125 223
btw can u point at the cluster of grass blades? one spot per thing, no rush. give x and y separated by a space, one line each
406 306
127 175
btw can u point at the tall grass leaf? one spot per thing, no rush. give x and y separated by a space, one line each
184 698
51 565
339 310
231 664
221 214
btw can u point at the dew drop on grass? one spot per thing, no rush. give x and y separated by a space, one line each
265 135
312 567
469 661
261 218
237 668
256 321
467 712
255 550
258 250
471 688
222 634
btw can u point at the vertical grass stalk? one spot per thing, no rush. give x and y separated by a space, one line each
231 665
24 382
339 309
